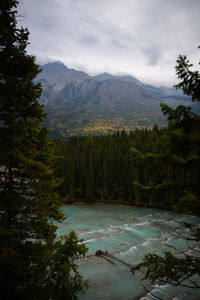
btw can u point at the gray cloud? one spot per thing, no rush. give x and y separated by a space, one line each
89 40
117 43
143 37
153 54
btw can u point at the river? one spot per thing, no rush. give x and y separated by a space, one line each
128 233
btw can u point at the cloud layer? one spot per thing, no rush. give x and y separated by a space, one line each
139 37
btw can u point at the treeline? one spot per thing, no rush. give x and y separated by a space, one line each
102 167
158 167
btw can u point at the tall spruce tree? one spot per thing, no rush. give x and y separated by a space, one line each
33 264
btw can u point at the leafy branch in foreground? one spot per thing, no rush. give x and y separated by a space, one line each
181 268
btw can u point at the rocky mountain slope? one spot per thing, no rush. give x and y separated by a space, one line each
77 103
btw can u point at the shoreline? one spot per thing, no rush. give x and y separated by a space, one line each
116 203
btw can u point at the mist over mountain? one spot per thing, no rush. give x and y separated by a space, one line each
105 76
77 103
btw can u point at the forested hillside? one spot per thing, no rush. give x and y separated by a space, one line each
157 167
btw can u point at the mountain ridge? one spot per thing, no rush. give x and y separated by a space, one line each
78 103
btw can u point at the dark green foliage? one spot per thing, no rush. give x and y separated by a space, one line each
188 203
33 264
173 167
102 168
163 267
190 80
176 270
182 160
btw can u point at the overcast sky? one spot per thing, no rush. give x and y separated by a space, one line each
139 37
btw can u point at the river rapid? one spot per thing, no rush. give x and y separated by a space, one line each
128 233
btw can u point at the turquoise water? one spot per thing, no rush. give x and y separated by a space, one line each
128 233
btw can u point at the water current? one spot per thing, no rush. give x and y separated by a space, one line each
128 233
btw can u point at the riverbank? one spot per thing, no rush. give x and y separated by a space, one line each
116 203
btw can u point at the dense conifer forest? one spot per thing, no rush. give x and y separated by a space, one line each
102 167
157 168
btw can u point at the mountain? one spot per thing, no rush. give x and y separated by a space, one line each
77 103
55 77
106 76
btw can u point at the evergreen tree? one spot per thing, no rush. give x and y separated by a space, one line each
33 264
189 80
183 138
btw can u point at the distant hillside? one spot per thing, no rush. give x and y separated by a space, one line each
77 103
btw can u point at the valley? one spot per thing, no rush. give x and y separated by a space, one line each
79 104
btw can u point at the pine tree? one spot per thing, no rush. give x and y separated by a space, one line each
182 268
33 264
